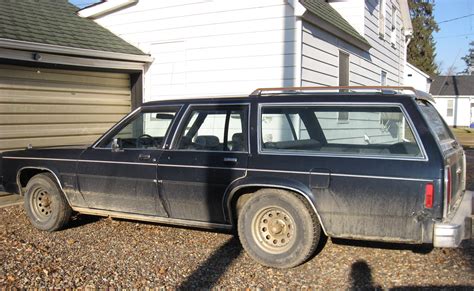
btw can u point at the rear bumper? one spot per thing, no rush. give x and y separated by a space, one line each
457 227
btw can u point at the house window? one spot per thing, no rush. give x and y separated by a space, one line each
393 35
450 111
382 14
383 78
343 69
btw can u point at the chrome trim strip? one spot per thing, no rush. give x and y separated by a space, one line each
18 174
157 219
341 175
231 168
381 177
82 161
338 155
201 167
226 201
185 115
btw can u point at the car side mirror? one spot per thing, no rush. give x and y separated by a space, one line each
116 147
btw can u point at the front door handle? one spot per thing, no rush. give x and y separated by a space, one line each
143 157
230 160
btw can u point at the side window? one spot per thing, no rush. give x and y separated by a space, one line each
215 129
147 130
365 130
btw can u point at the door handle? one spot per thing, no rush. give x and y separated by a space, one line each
230 160
143 157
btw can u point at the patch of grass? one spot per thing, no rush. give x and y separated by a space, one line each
465 136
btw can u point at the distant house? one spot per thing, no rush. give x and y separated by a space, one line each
221 47
454 97
416 78
63 79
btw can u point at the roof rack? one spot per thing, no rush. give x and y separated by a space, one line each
285 90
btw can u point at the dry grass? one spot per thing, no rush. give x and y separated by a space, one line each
465 135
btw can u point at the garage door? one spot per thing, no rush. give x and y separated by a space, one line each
49 107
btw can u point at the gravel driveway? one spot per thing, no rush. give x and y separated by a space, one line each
98 252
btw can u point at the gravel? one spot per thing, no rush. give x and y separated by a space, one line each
102 253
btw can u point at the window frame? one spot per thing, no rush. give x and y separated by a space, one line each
261 151
130 117
382 18
184 117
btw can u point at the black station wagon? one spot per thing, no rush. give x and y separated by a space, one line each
283 167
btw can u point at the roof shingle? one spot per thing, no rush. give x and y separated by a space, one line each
326 12
452 86
55 22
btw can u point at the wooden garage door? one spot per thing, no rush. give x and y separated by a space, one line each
48 107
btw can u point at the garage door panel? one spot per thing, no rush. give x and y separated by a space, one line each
61 100
22 143
61 78
54 108
67 72
43 130
59 107
62 87
58 118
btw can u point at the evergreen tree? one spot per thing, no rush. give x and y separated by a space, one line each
469 59
421 50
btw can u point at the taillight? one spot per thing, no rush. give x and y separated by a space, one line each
429 194
448 186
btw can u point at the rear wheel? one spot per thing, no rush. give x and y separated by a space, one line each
45 205
278 229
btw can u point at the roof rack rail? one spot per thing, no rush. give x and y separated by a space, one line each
285 90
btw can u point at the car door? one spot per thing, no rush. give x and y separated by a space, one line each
119 172
209 151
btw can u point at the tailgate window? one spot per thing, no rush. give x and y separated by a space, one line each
444 136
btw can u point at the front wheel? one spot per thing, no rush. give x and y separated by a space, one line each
278 229
45 205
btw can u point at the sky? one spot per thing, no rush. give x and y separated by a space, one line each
452 40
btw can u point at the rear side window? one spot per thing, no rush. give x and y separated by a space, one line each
437 125
348 130
215 128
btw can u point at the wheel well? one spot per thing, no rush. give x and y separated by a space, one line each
242 195
27 174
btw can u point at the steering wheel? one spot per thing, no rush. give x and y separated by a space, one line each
141 141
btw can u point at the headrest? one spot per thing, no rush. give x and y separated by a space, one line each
207 141
238 138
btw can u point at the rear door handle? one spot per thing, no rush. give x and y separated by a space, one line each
230 160
143 157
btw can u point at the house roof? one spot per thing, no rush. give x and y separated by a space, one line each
326 12
55 22
452 86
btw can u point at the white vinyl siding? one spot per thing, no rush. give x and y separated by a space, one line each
204 48
48 107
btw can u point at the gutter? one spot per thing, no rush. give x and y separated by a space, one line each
105 7
41 47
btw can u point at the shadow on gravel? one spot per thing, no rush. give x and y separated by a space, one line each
418 249
361 277
209 272
79 220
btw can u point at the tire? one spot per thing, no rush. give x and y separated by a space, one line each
278 229
45 205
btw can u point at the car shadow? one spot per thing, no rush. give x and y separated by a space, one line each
209 272
78 220
418 249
